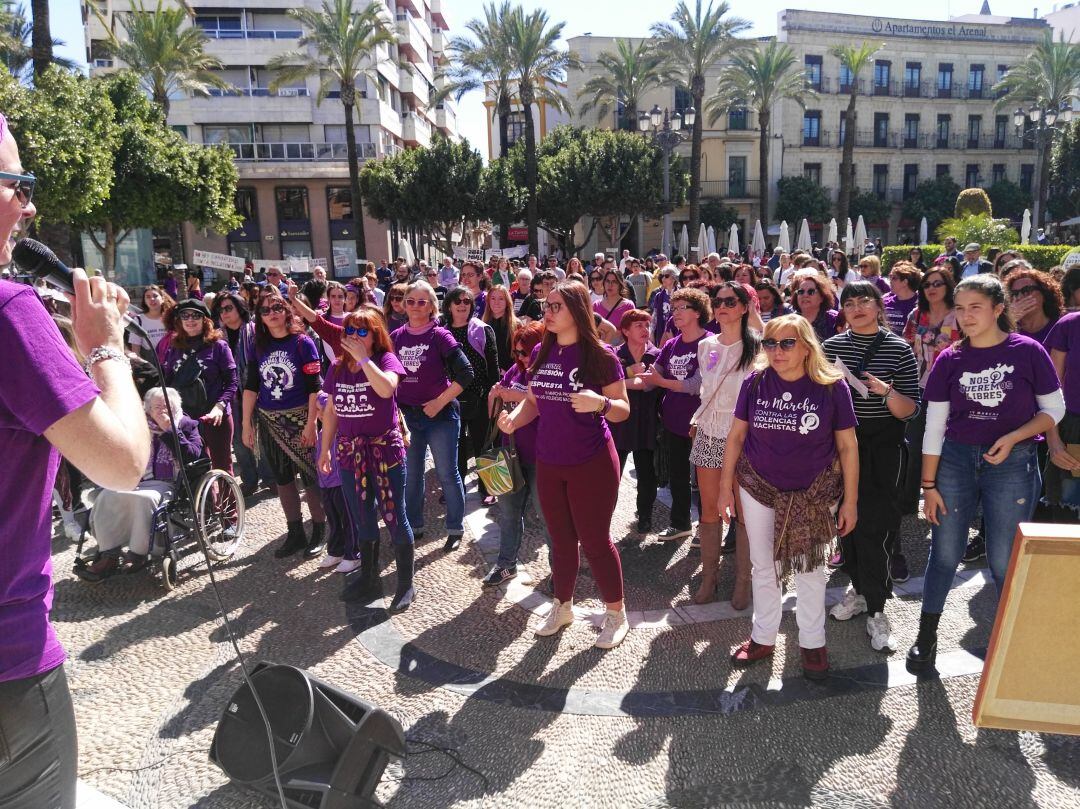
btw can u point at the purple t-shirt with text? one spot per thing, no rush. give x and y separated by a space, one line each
897 311
423 357
678 360
990 391
1065 336
790 440
40 384
282 366
360 410
567 437
524 439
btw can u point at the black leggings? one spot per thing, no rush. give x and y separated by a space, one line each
474 428
39 749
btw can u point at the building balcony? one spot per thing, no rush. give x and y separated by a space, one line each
408 83
730 189
437 17
820 139
438 40
254 51
262 92
446 119
415 131
299 151
410 41
374 112
254 33
244 107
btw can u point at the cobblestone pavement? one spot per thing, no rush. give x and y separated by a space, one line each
661 721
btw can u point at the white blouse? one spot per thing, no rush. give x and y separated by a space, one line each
716 364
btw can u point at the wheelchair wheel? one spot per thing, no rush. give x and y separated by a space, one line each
219 510
170 569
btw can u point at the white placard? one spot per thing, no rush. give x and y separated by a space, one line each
520 251
854 382
319 262
342 261
218 261
461 253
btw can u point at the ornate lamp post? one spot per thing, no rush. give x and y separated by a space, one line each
667 132
1044 127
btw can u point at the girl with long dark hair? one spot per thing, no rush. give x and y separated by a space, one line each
577 386
616 301
499 314
156 306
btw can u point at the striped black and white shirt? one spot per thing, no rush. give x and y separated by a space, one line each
893 362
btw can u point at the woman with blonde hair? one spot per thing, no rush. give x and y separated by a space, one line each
870 270
499 314
793 451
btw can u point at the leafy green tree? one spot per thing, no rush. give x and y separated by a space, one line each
693 43
869 206
450 172
500 198
539 66
972 201
981 228
629 72
759 79
934 199
341 45
801 198
855 59
158 178
390 190
1064 198
1008 199
715 214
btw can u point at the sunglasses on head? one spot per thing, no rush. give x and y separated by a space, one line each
359 331
771 344
275 309
23 185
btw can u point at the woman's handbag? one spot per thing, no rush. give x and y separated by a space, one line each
498 466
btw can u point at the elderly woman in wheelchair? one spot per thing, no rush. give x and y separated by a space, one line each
126 518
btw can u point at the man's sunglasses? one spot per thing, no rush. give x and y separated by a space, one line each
23 187
359 331
276 309
788 343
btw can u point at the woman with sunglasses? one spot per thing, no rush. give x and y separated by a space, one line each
200 365
915 258
1035 303
360 425
677 373
532 307
884 363
500 316
724 361
688 275
477 340
900 301
576 388
596 286
870 270
793 452
616 301
513 507
394 306
814 300
280 410
987 397
436 373
839 271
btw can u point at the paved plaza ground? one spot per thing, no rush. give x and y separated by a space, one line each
661 721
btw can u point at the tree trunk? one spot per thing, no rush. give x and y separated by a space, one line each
763 166
698 92
57 235
504 137
532 215
848 157
348 98
41 42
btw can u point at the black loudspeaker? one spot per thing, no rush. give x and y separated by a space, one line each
331 747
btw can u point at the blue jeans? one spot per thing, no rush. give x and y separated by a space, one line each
364 514
246 466
1008 493
512 510
441 434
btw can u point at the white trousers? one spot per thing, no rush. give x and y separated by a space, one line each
768 608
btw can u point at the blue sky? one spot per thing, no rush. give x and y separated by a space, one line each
618 18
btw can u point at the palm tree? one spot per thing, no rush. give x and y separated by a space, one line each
692 44
538 67
629 73
41 41
1047 79
855 59
759 79
16 45
168 55
345 44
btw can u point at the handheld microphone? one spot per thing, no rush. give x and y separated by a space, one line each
35 258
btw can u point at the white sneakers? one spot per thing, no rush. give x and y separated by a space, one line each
880 632
562 615
347 565
330 561
852 605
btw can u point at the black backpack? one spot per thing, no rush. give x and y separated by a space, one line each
189 384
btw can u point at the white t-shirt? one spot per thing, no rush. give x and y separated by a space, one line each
155 330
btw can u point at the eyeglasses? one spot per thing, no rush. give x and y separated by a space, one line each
187 314
228 307
1023 292
806 293
935 284
554 307
460 302
771 344
23 187
397 297
359 331
730 301
431 275
416 301
859 303
276 309
680 308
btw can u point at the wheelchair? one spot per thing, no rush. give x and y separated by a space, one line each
216 510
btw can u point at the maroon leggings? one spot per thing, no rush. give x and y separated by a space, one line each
218 443
578 502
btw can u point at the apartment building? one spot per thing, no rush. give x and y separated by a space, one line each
294 179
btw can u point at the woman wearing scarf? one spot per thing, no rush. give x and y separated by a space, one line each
792 450
280 407
363 416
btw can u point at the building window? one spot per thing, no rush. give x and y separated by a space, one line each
215 134
292 203
811 128
976 74
812 172
974 131
1001 71
882 73
220 26
296 248
738 118
911 130
737 176
911 179
812 66
881 129
249 250
246 205
1001 131
912 78
997 173
942 170
683 99
1027 177
515 127
971 175
881 180
944 80
944 123
339 203
846 79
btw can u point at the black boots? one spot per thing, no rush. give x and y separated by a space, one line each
295 540
922 656
317 543
361 584
404 595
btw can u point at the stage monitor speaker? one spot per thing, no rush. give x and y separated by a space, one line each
331 747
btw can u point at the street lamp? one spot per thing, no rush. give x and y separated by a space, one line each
1044 123
667 132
